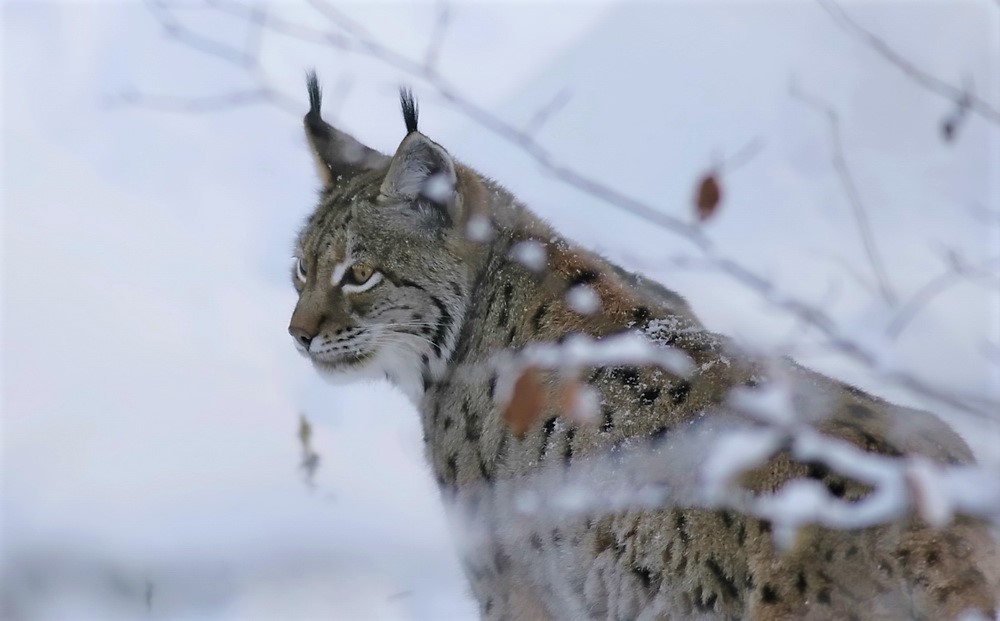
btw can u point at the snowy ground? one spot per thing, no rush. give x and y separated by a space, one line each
150 392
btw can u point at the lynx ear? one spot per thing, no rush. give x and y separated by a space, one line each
421 170
337 154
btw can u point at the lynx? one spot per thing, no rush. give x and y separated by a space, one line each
416 269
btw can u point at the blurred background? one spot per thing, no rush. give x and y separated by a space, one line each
166 453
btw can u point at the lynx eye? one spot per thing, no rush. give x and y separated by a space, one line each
300 269
359 274
360 277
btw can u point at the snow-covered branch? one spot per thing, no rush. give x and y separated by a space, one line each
700 466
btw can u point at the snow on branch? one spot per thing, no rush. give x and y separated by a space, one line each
581 351
702 463
699 466
521 386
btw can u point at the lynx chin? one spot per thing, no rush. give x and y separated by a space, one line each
417 269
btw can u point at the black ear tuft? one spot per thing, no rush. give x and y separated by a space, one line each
409 106
315 96
337 154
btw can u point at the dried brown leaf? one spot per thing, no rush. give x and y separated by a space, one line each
526 403
305 432
708 197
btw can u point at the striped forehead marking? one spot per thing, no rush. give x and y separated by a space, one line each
339 269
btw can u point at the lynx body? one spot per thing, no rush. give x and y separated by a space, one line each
412 268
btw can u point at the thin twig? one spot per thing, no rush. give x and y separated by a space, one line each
987 216
437 37
847 346
955 274
279 25
340 19
797 332
367 45
197 105
547 111
255 35
921 77
338 95
177 31
860 279
853 195
742 157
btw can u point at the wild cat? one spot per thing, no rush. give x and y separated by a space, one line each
412 267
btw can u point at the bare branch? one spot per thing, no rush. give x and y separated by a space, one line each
985 215
547 111
338 95
853 195
360 41
175 30
437 37
849 347
742 157
955 120
860 279
309 462
279 25
341 20
793 339
247 59
196 105
255 35
921 77
701 466
956 274
371 47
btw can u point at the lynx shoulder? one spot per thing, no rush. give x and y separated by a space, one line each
417 269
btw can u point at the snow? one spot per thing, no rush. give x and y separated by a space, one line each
584 407
530 254
933 505
735 452
583 299
438 188
151 393
581 351
940 493
479 228
771 402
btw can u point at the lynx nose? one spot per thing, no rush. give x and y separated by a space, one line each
303 337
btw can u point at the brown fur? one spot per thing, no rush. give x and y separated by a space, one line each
449 307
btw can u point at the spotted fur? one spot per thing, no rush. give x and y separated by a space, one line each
447 306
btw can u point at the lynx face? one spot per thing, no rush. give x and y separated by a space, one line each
379 266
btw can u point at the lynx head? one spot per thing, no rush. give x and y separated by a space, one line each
382 267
